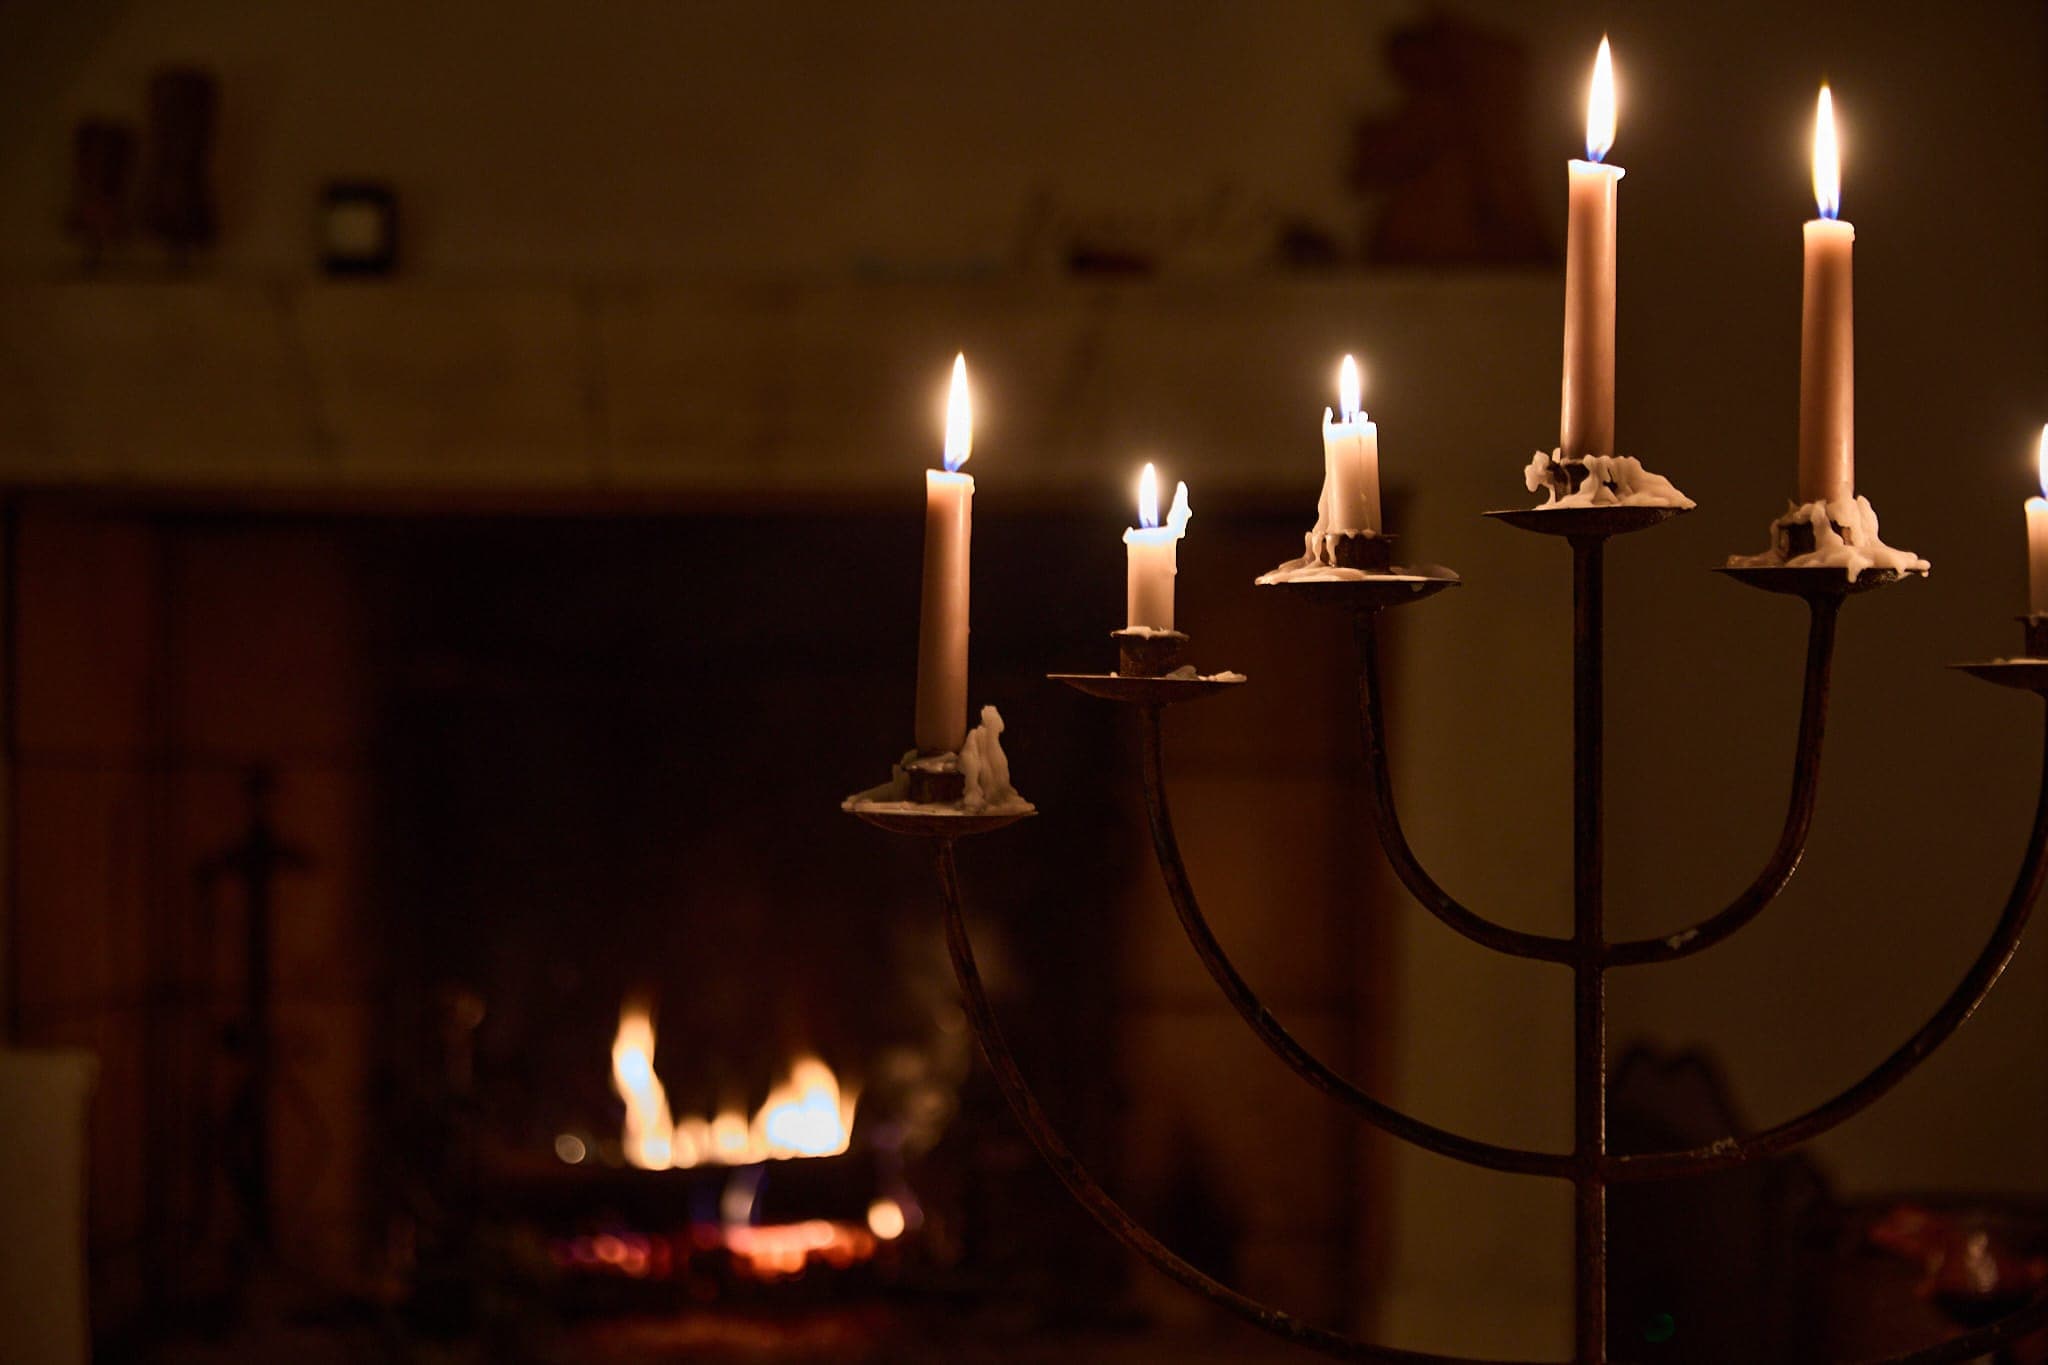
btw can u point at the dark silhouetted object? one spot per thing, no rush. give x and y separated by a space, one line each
1450 159
177 185
1725 1267
254 862
102 172
358 228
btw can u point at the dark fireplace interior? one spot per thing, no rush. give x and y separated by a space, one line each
391 813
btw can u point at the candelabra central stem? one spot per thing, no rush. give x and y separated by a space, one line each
1589 948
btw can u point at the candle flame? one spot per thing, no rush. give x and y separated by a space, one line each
959 418
1600 104
1827 157
1348 388
1148 510
2041 462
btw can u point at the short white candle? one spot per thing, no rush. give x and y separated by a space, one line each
1351 459
1827 334
1152 555
2037 538
942 615
1586 409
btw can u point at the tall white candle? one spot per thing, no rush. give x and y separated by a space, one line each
1152 556
1351 459
942 615
1827 337
1586 411
2037 539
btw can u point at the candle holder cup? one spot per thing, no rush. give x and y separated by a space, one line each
1797 538
1588 1166
2037 635
1148 653
1366 551
935 779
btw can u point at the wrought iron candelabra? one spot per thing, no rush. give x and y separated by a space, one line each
1590 1167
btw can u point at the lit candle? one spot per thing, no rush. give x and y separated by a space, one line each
1351 459
2037 539
1586 415
1827 339
1153 556
942 618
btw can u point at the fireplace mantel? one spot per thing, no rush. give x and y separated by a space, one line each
654 386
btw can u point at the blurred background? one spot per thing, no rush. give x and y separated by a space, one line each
461 538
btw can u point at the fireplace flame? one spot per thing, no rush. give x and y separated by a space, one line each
649 1134
808 1114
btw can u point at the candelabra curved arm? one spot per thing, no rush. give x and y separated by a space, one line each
1097 1201
1784 860
1387 822
1960 1005
1270 1031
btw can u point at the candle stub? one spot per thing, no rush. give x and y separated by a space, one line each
1152 556
2037 536
1351 460
2037 556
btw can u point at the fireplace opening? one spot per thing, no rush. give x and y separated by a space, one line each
474 951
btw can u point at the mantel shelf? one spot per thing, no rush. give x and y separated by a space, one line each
677 385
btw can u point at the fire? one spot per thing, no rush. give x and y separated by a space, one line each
649 1134
1600 105
1827 156
808 1114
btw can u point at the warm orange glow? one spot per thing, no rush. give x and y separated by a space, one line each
2041 461
649 1132
808 1114
1600 111
1827 157
1148 497
1349 389
959 417
787 1248
885 1219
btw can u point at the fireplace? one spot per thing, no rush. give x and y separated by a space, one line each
457 903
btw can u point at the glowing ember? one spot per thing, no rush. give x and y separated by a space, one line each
806 1115
885 1219
765 1253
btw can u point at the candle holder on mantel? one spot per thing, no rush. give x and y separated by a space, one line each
1589 1167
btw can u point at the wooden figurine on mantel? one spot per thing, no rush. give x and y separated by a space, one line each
1450 161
